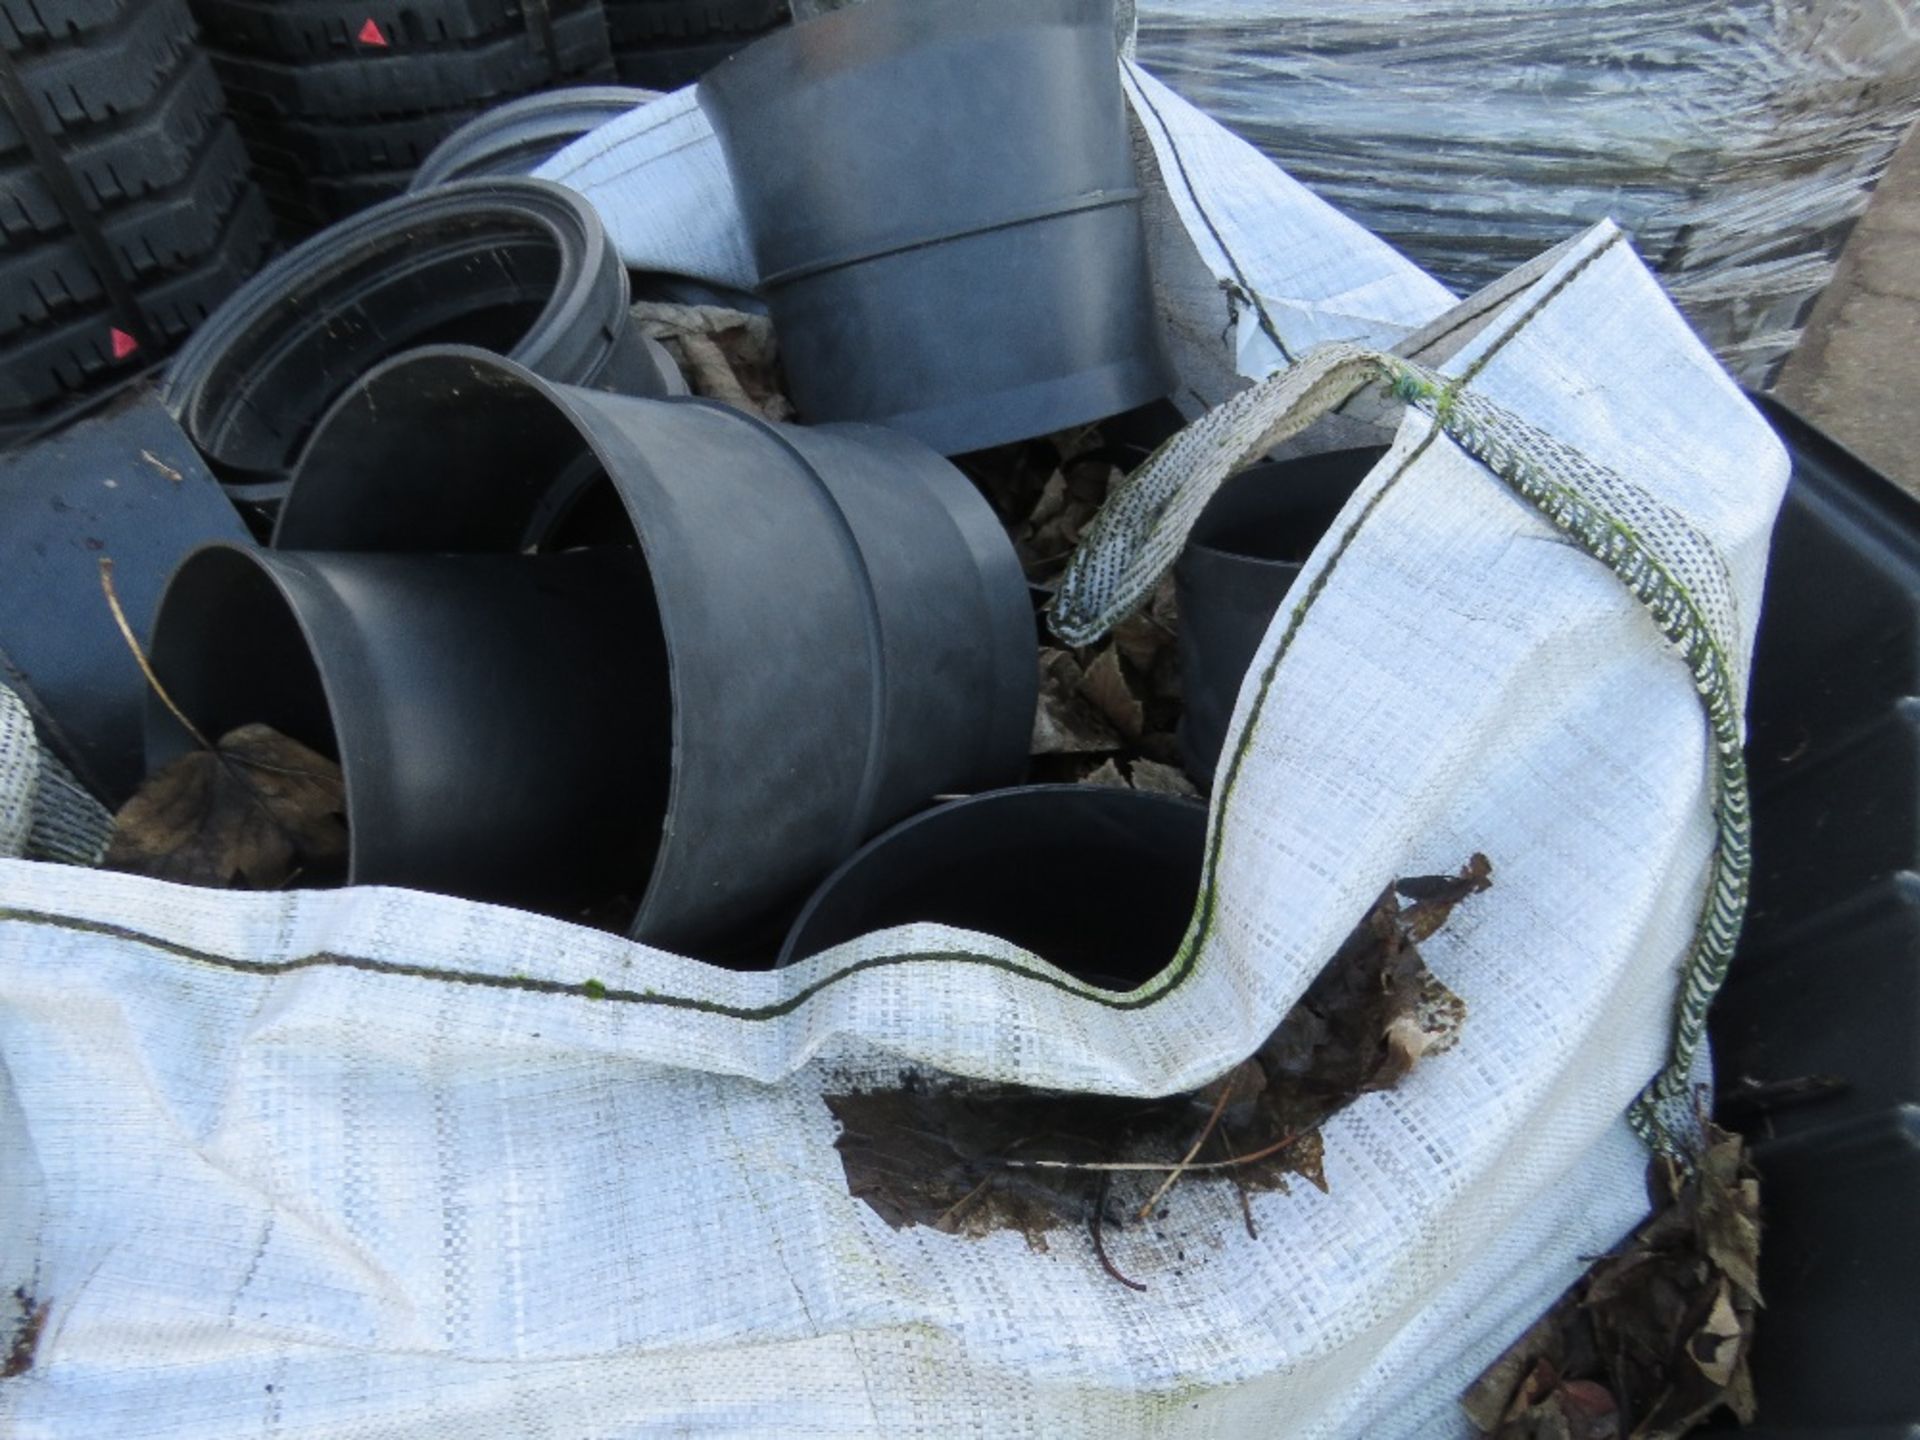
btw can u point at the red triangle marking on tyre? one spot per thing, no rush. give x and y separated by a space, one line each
123 343
370 34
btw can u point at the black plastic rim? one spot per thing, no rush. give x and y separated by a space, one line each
520 136
514 265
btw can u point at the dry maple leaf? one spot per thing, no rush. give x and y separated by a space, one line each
250 814
1659 1330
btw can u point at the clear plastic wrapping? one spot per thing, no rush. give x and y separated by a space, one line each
1737 141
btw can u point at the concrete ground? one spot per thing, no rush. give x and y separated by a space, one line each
1856 373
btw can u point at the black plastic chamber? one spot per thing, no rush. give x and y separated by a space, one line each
1826 984
516 266
942 203
1099 881
1242 556
846 628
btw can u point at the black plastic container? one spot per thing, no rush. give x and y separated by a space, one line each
122 485
1099 881
518 266
943 206
520 136
1827 979
493 715
1241 558
846 628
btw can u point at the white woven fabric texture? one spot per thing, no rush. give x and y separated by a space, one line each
45 814
323 1164
19 773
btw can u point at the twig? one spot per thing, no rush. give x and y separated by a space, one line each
1240 1189
226 762
1152 1167
1099 1244
140 656
162 466
1246 1207
1173 1179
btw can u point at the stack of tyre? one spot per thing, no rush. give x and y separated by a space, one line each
664 44
340 100
126 212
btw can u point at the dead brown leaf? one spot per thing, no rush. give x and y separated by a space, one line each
1160 779
1065 723
252 814
26 1337
969 1158
1104 686
1434 896
1659 1330
1715 1347
1053 500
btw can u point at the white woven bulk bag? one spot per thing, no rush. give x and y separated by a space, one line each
385 1164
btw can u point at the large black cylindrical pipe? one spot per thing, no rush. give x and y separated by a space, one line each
1241 557
942 203
846 626
499 719
1096 880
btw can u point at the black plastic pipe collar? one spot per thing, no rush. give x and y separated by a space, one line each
517 266
942 203
842 626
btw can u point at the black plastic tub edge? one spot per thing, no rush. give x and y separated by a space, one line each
520 136
1826 983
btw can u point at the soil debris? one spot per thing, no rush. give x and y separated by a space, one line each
1654 1338
968 1158
254 812
26 1339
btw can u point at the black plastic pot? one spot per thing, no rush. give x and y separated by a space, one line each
845 625
942 202
515 265
518 137
1099 881
492 714
121 485
1241 557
